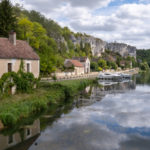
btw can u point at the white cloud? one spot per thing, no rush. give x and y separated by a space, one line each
127 23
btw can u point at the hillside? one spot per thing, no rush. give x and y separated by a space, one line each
143 55
54 44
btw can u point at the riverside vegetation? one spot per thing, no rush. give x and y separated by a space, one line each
21 106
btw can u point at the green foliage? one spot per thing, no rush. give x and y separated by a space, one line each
24 82
100 69
94 66
143 56
25 28
144 66
13 111
8 19
112 65
102 63
66 33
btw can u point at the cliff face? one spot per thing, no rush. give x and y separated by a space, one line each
123 49
98 46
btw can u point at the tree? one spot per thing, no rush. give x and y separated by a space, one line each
102 63
94 66
87 49
144 66
25 28
8 19
114 65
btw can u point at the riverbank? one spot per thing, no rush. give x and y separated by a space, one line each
89 76
18 107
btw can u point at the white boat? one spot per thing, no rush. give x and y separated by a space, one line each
110 76
115 77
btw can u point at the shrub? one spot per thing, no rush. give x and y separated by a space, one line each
8 118
24 82
144 66
100 69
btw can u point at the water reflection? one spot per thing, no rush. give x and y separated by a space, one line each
96 93
114 117
28 132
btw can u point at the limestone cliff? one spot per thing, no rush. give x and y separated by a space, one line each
123 49
98 46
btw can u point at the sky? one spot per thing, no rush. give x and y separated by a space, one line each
126 21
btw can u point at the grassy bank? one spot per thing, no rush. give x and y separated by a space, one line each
18 107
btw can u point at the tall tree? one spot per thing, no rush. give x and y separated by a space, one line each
8 20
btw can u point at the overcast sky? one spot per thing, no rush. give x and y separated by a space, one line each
125 21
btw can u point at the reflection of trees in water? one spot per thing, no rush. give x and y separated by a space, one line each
97 93
119 87
143 78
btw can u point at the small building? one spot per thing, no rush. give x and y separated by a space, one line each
122 63
85 62
12 51
75 65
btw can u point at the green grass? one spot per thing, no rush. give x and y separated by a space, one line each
21 106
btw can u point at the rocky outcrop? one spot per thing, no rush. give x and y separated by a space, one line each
98 46
123 49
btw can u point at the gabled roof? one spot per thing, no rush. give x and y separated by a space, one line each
81 59
22 50
76 63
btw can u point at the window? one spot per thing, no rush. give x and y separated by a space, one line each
28 67
9 67
10 139
28 132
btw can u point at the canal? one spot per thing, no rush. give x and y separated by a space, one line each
112 117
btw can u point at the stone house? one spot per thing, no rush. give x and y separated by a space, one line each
75 65
12 51
85 62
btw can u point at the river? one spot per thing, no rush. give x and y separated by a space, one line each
113 117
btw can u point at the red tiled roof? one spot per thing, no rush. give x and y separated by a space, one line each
76 63
81 59
22 50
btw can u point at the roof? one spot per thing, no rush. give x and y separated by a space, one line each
76 63
81 59
22 50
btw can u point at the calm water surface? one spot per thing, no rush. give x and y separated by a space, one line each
115 117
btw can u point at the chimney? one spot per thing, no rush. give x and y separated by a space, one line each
12 37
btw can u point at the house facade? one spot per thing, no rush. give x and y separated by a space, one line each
85 62
75 65
13 51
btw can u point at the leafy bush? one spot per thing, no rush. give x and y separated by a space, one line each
100 69
24 82
144 66
94 66
102 63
